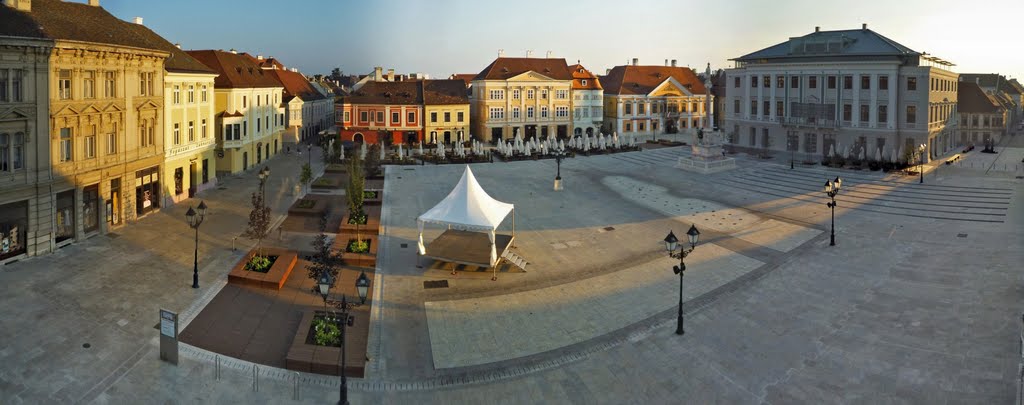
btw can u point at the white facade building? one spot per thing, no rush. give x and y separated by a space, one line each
587 102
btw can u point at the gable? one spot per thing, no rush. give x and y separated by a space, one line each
68 109
14 114
530 76
147 105
670 87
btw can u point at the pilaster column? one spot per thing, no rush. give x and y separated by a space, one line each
873 110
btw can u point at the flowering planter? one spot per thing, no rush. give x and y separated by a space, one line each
273 278
308 207
372 225
306 356
364 259
373 197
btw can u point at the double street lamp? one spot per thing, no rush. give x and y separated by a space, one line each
194 220
671 243
920 160
309 153
263 174
831 189
362 288
559 155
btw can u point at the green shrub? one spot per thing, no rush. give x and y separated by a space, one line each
358 246
260 264
327 332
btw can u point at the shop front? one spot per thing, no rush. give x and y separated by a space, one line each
65 216
13 229
147 190
91 208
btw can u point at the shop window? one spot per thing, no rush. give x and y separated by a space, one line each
147 190
65 216
13 229
91 208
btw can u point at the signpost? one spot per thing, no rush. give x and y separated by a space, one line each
169 336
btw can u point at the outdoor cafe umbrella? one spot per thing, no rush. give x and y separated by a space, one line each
401 152
440 151
362 151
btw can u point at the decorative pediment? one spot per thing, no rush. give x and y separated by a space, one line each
530 76
147 105
67 109
14 114
113 108
670 87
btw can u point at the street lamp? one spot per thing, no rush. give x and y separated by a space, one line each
309 153
362 287
671 243
263 174
831 189
194 220
559 155
920 161
792 153
324 284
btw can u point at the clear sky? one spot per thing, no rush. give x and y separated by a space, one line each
440 37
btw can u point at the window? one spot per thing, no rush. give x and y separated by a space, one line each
529 94
258 122
191 131
753 107
812 82
202 130
245 128
447 117
177 133
66 154
847 82
753 81
5 151
515 94
883 113
831 82
111 143
64 84
191 93
497 95
110 84
780 82
202 94
562 111
654 125
883 82
146 85
90 146
736 82
654 108
515 112
794 82
911 83
543 111
810 143
460 115
640 108
177 94
792 141
561 94
629 127
865 112
583 82
497 113
640 126
89 84
779 108
395 117
245 102
433 117
767 108
257 104
865 82
911 114
16 85
268 100
847 112
766 81
529 112
363 116
627 108
753 137
411 117
380 117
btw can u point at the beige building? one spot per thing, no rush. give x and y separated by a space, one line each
248 109
982 117
650 100
525 96
446 111
811 92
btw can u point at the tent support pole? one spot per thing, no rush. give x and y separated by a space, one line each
513 227
494 270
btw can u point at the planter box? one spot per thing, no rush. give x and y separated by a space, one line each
328 182
372 222
378 200
373 184
311 358
317 210
336 168
368 259
273 279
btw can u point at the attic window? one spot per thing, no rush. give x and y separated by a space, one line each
581 70
636 85
583 82
658 75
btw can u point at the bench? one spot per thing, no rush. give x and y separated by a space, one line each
952 159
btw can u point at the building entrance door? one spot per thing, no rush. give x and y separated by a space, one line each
193 179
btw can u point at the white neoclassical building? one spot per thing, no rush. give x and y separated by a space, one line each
855 87
587 101
651 100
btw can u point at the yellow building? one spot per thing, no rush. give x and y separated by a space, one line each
650 100
248 109
446 111
525 96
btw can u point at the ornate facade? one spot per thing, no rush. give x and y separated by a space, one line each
647 101
529 97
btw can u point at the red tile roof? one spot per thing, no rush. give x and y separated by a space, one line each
236 70
970 98
444 92
295 85
465 77
394 93
639 80
504 68
579 73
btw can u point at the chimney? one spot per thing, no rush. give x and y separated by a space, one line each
673 63
178 46
295 70
233 51
94 3
529 53
817 28
259 57
548 55
137 20
666 62
377 75
635 60
864 26
501 53
391 75
20 5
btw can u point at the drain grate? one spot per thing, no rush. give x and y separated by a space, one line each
609 228
435 284
112 235
409 170
405 245
961 235
222 188
86 345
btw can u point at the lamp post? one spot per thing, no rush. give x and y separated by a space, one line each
559 155
792 153
671 243
920 160
309 153
362 287
831 189
263 174
194 220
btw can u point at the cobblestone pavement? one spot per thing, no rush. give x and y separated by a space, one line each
906 309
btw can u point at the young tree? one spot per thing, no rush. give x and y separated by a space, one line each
325 260
259 222
354 189
372 162
307 175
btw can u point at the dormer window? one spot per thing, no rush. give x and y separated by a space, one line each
583 82
581 70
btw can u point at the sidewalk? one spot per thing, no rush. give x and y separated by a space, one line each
86 314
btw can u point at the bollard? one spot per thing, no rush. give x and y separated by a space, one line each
233 243
255 379
216 368
295 396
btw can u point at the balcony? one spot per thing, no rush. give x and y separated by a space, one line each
808 122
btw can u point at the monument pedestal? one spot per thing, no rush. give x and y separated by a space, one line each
558 184
706 159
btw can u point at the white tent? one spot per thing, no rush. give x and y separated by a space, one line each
468 207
